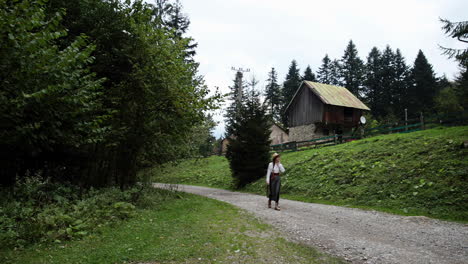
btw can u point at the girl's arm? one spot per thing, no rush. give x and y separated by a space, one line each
281 168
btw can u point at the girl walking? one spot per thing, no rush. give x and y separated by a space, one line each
273 180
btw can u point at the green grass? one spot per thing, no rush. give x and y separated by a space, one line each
419 173
184 229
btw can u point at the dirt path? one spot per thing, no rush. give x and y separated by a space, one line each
356 235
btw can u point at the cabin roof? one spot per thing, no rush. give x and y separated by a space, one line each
332 95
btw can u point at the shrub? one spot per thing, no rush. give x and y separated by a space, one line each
39 210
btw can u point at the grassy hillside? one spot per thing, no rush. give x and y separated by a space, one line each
422 173
187 229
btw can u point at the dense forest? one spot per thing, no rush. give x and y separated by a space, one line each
91 91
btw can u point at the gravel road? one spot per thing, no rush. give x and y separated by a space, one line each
356 235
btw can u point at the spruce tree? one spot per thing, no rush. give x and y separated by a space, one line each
248 150
308 75
424 86
459 31
387 78
401 83
324 72
335 73
290 86
373 82
232 109
352 70
273 95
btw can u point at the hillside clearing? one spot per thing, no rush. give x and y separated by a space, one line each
419 173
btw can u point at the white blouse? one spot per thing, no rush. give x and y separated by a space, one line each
276 169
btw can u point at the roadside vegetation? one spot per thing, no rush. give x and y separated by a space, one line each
171 228
419 173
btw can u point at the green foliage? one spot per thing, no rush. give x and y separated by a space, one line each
419 173
352 70
191 229
97 113
290 86
308 75
447 101
248 150
324 74
420 96
44 211
273 95
459 31
235 99
49 99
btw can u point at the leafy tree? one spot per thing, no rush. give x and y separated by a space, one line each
273 95
447 101
50 101
352 70
201 141
290 86
424 86
309 75
152 97
324 74
248 151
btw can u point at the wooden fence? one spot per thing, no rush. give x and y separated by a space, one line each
406 126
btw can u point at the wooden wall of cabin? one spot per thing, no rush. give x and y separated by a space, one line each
305 109
348 117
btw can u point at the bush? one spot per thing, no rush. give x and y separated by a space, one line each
39 210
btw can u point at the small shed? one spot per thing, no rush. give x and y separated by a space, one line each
318 109
278 135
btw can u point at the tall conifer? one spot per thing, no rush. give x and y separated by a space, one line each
290 86
273 95
424 86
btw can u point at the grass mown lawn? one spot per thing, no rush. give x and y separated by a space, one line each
186 229
419 173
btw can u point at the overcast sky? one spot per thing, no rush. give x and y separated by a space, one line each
260 34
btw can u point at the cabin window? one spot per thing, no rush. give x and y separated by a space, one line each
348 114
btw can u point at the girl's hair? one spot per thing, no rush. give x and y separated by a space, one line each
274 159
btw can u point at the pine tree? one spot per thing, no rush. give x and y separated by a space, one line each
352 70
290 86
180 23
273 95
248 150
308 75
373 82
324 72
424 86
401 83
232 109
335 73
387 78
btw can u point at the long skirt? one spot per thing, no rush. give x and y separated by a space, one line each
274 188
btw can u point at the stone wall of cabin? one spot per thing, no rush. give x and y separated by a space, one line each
301 133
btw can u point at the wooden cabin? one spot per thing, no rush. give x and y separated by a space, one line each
318 109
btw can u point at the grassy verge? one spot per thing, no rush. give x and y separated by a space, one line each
419 173
184 229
